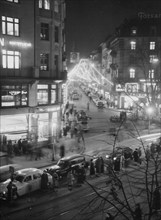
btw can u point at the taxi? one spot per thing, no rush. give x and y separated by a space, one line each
26 180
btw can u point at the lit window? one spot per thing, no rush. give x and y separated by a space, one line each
151 74
133 31
152 45
10 26
10 59
44 61
56 6
132 73
42 94
153 58
133 45
53 94
44 4
44 32
14 95
14 1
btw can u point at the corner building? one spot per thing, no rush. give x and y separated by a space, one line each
32 69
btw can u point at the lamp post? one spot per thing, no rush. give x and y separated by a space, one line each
149 112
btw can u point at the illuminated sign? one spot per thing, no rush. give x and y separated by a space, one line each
20 44
120 88
3 43
131 87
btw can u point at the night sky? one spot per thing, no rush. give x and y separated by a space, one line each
89 22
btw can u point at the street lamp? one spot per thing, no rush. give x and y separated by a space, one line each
149 112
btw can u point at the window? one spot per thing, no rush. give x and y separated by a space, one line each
56 64
132 73
152 45
44 4
36 176
133 31
44 61
15 95
44 34
153 58
133 45
53 94
56 34
10 26
28 179
14 1
56 6
10 59
42 94
151 74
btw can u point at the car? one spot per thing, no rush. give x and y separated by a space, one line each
6 170
26 180
65 164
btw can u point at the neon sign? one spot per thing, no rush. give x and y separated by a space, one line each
3 42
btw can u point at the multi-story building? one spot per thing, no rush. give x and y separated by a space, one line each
136 63
32 68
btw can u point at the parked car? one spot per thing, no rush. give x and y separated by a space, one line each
26 180
65 164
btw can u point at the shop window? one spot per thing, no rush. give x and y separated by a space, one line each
44 34
53 94
44 4
15 95
42 94
11 59
56 34
132 73
152 46
56 6
44 61
133 45
10 26
151 74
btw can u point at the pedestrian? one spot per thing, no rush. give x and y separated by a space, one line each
10 192
156 199
62 151
138 212
136 155
102 164
55 179
70 180
92 168
80 133
44 180
88 104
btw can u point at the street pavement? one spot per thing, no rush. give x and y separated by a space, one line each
97 145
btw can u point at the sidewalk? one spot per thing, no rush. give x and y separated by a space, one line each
101 144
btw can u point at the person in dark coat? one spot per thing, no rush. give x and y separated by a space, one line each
136 155
92 169
44 180
55 179
156 200
62 151
97 165
137 212
102 164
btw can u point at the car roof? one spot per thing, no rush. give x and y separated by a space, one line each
72 157
27 171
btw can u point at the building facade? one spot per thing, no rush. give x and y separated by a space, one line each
136 63
32 68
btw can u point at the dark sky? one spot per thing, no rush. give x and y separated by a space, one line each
89 22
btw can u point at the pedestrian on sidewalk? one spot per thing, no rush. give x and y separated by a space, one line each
55 179
88 104
44 180
92 168
138 212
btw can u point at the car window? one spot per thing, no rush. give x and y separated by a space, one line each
19 178
28 178
37 175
